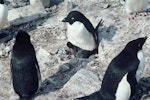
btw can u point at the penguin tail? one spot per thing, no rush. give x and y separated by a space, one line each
98 25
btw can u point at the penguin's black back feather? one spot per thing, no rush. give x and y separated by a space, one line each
24 67
119 66
88 25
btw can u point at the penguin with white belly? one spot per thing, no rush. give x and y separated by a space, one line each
135 6
3 14
122 74
24 67
82 36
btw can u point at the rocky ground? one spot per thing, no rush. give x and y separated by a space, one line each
68 77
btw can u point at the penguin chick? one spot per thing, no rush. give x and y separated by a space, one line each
120 79
3 14
81 33
135 6
24 67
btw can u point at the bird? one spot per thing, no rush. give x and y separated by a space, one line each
135 6
82 36
26 77
3 14
123 72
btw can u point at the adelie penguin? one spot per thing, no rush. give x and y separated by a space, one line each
24 67
136 6
122 74
3 14
82 36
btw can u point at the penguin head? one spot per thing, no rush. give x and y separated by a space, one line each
136 45
74 16
1 1
23 36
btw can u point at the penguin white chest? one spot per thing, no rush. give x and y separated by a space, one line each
3 15
141 66
79 36
133 6
123 91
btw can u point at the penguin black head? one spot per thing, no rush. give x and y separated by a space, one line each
23 36
136 44
1 1
74 16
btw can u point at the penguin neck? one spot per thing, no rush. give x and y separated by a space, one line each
132 51
1 1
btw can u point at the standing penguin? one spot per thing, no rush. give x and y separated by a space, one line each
135 6
122 74
3 13
24 67
82 36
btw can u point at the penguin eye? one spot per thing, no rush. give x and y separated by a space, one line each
72 18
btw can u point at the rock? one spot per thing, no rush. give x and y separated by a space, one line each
46 3
58 70
43 58
26 14
85 3
5 49
107 50
64 73
34 1
84 82
19 3
122 2
4 38
62 54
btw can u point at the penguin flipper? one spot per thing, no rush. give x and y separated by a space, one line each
142 88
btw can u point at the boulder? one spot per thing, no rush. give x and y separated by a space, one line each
26 14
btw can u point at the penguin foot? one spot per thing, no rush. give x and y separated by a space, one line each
83 54
131 16
74 48
142 13
70 45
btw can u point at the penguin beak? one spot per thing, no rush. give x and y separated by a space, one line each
145 37
65 20
143 41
